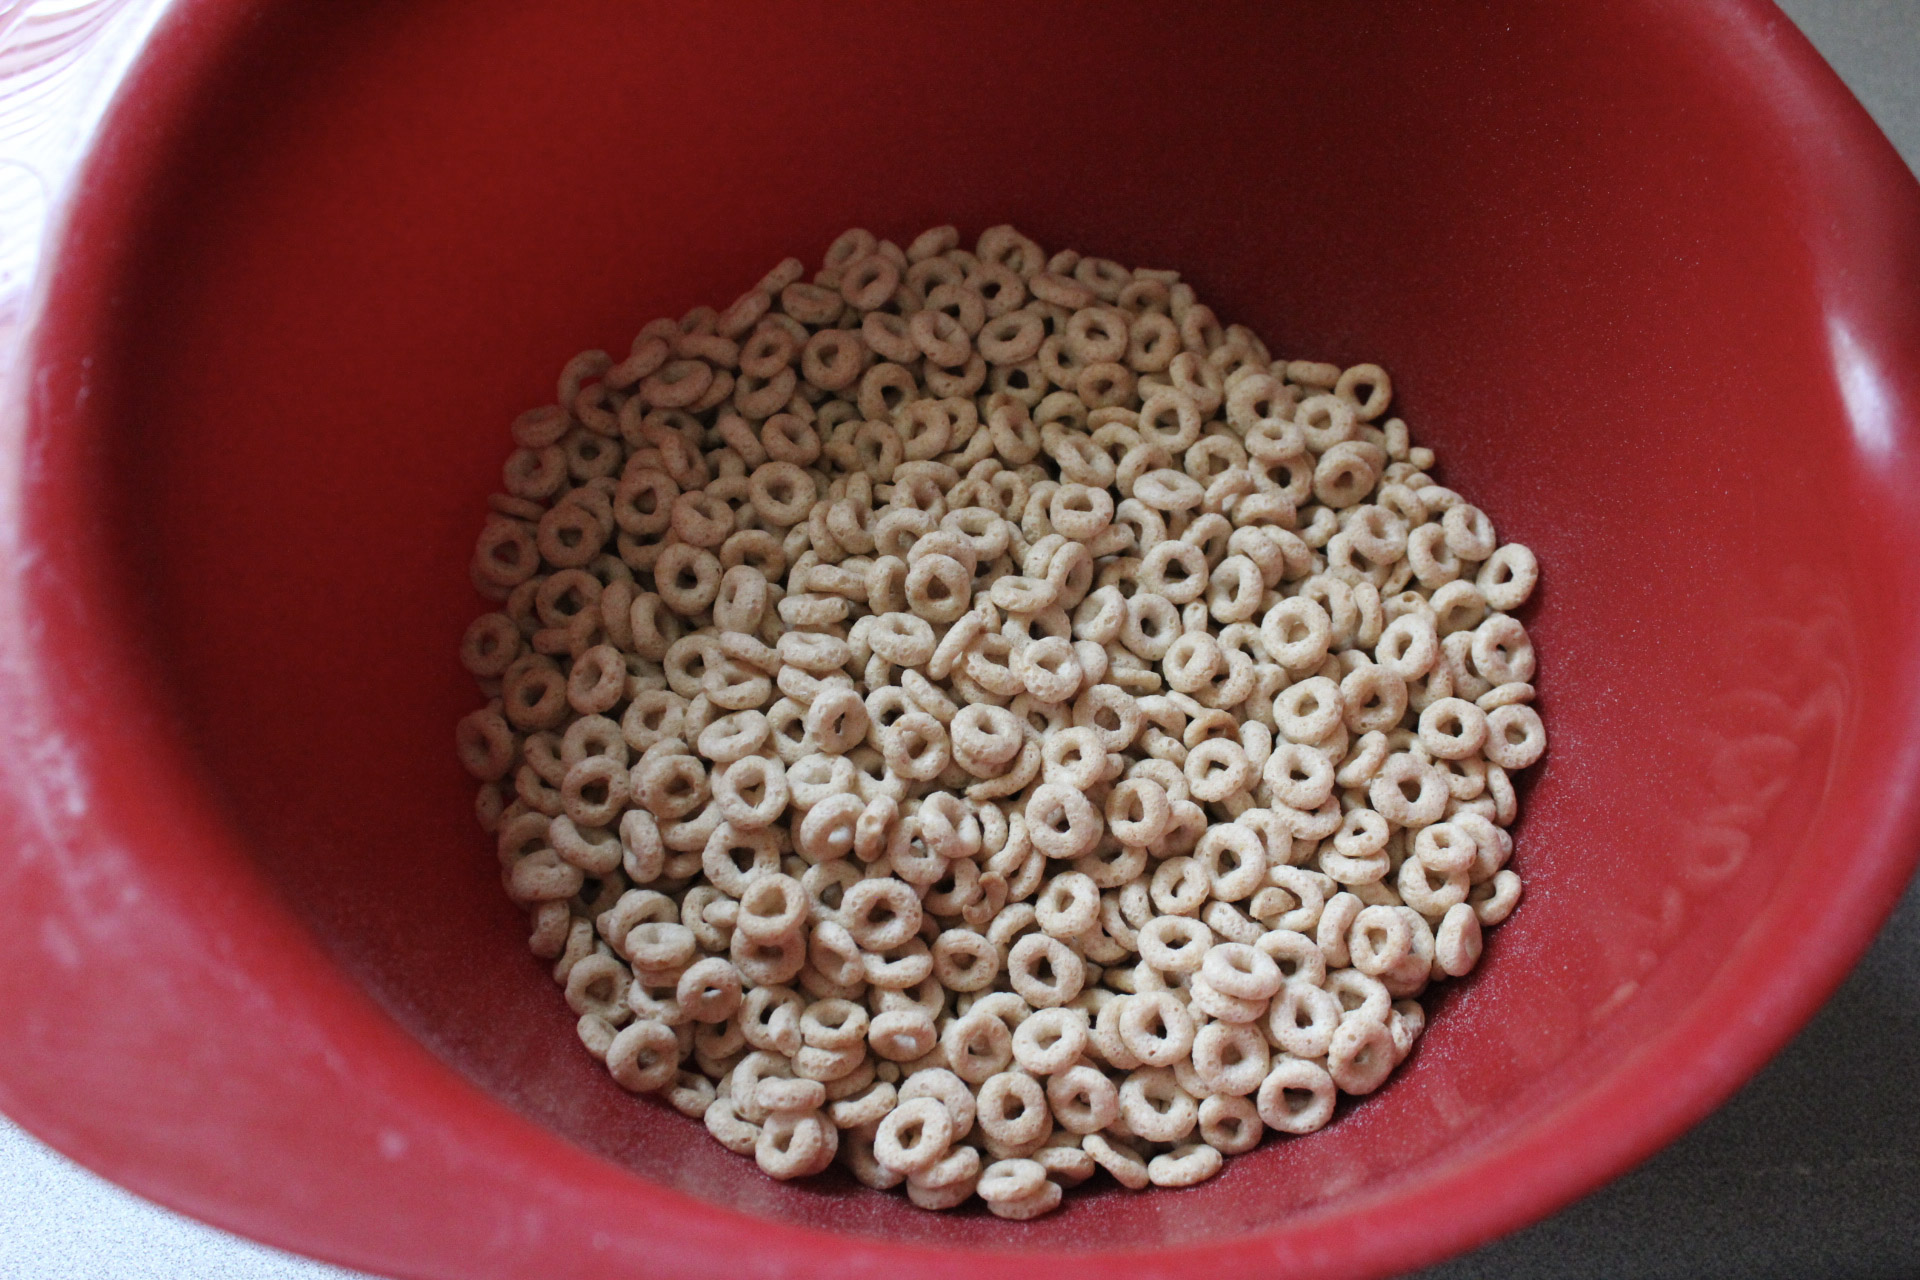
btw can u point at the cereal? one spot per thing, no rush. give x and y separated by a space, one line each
974 718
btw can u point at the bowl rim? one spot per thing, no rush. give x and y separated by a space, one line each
78 709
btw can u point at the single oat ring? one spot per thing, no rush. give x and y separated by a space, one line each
973 717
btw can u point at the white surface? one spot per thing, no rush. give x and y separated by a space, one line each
59 1222
59 63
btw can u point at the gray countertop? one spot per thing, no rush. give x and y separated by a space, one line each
1813 1169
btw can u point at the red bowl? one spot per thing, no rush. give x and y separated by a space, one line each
1648 279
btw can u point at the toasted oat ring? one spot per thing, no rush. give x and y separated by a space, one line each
741 601
1230 1058
720 854
1138 812
1174 944
870 281
1068 906
902 1035
940 338
883 388
1229 1124
1457 607
1234 858
781 492
913 1135
1308 711
677 384
964 960
915 746
1192 660
1157 1029
834 1024
1446 849
1374 698
946 1088
1389 791
1299 776
1296 633
701 518
1083 1099
1379 939
1175 569
1045 971
1301 1018
1432 560
1453 728
1515 736
939 588
1360 1055
904 639
1151 626
1050 1040
644 1057
1171 420
1044 1200
1457 943
1168 490
1012 1109
733 736
828 831
1049 668
837 719
1508 577
832 359
1363 833
595 791
1502 653
709 990
1180 884
769 348
507 553
1409 646
1296 1097
1469 533
1218 769
1152 1103
985 737
669 787
1241 971
1062 822
1011 338
1006 1181
1127 1168
751 792
486 744
881 914
1326 420
977 1044
787 438
687 578
766 962
1111 712
1073 758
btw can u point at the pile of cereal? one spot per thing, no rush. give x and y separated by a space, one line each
974 717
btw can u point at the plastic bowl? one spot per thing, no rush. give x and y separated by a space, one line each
1646 276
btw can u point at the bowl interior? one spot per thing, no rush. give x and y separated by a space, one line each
387 227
